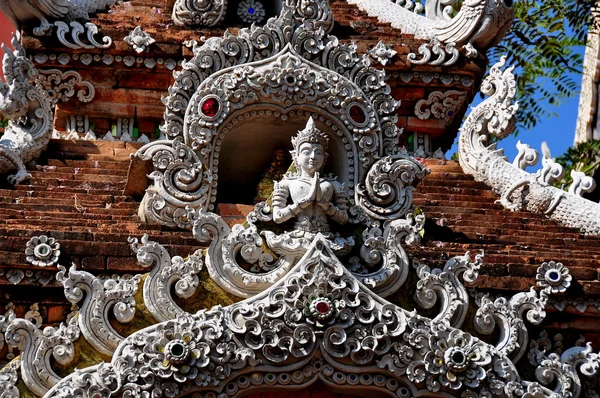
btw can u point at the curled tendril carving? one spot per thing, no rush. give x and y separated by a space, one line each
387 191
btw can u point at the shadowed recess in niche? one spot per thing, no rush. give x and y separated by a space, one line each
316 390
249 148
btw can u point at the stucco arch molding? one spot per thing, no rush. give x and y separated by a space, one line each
284 66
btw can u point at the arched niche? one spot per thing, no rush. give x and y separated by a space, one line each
249 141
318 389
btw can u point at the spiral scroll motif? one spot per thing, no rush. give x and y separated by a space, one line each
386 193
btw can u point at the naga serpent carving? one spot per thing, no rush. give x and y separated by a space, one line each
517 188
24 102
19 11
477 26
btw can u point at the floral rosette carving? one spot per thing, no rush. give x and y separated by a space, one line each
457 360
554 277
42 251
179 354
251 11
194 13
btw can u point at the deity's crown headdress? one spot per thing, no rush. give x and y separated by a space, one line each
310 134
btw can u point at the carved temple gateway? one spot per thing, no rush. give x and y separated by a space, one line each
218 198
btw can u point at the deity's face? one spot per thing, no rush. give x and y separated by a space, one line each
310 157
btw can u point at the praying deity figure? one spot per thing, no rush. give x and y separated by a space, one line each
314 200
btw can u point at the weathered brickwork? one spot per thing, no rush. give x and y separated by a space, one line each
86 194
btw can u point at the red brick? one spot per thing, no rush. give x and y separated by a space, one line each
123 264
94 263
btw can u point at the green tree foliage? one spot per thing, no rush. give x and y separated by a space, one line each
583 157
546 45
3 124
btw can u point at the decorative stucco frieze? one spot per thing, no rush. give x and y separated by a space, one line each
323 324
196 13
107 59
99 297
442 105
63 85
24 102
517 188
16 276
434 78
478 25
76 29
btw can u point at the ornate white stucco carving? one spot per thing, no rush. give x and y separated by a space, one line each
37 347
517 188
46 10
382 53
478 25
386 193
526 156
76 29
281 63
34 316
251 11
444 285
382 264
9 377
440 105
99 297
192 13
322 324
42 251
166 273
25 104
139 40
63 85
435 53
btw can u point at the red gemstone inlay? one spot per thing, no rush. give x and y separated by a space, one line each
210 107
322 307
357 114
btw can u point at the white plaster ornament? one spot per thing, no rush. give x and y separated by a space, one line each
251 11
24 102
518 189
42 251
382 53
139 40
